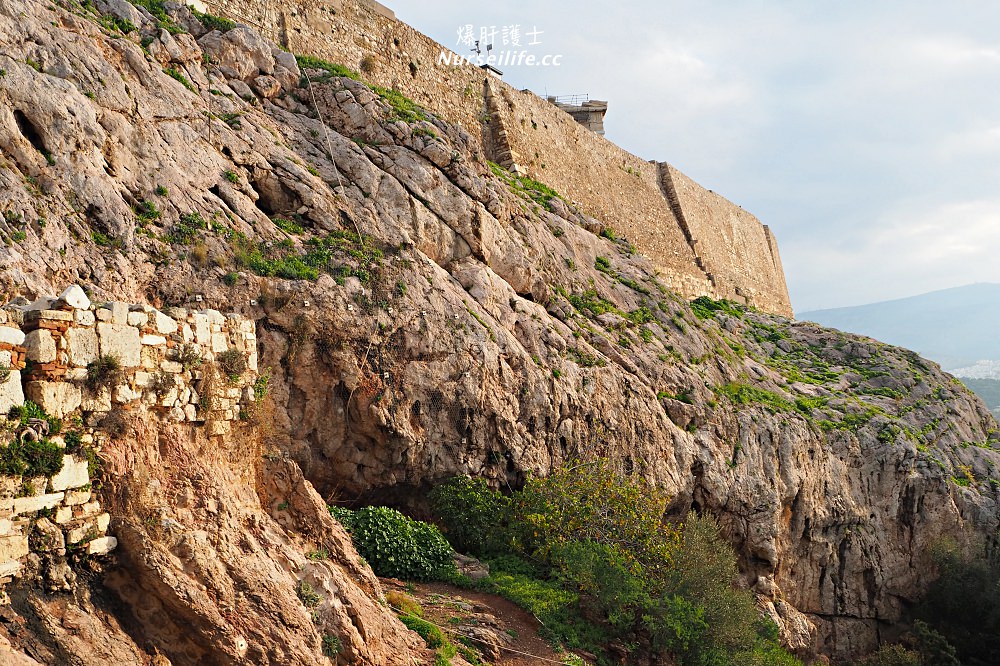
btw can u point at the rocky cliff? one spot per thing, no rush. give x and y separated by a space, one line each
422 313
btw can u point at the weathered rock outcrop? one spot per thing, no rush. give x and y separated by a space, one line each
423 316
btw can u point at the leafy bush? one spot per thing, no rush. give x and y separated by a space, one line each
307 595
405 108
159 12
214 22
31 458
397 546
187 227
176 75
587 550
526 187
744 394
431 634
471 513
331 645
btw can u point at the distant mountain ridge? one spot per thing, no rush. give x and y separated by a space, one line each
955 327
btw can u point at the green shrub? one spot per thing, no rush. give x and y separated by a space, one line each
397 546
159 11
233 363
288 226
44 458
892 655
331 645
176 75
706 308
146 211
744 394
471 513
187 227
961 609
430 633
104 372
214 22
405 108
331 69
588 552
31 458
307 595
104 240
592 502
705 574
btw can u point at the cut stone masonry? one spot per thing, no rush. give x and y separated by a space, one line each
50 351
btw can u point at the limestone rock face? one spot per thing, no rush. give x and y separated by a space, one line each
459 322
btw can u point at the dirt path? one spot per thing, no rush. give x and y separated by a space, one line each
456 610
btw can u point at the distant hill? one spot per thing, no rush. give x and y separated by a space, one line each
988 390
955 327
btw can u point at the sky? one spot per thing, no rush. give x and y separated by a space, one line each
865 134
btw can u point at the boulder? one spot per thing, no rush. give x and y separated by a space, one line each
75 297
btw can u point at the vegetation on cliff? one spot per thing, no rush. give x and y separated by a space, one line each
589 553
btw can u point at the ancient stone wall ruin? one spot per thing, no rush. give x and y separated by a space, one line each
72 369
524 132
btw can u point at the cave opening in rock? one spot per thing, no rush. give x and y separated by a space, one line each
30 132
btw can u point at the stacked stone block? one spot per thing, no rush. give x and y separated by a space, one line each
73 517
164 359
167 369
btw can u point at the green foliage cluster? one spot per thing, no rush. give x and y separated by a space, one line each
707 308
146 211
117 24
397 546
233 363
28 411
364 258
589 553
104 240
589 302
176 75
186 229
405 108
104 372
331 69
585 359
158 10
214 22
472 512
744 394
526 187
31 458
288 226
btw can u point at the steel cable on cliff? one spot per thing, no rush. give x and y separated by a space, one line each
312 93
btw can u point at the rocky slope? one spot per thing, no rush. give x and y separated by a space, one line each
425 314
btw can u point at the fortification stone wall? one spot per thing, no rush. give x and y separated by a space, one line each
739 253
524 132
80 366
